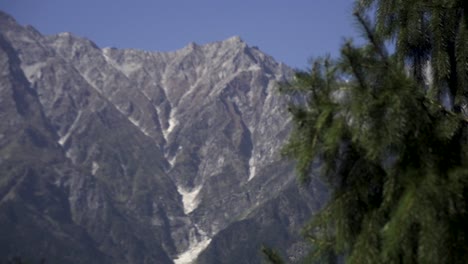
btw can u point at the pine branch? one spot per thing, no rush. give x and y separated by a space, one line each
444 110
349 52
378 46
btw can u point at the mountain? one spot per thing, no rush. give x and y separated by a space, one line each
129 156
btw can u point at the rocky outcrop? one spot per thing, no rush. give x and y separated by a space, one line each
154 157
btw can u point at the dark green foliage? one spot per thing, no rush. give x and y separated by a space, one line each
272 256
392 140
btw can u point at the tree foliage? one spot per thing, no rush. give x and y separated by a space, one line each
271 256
390 133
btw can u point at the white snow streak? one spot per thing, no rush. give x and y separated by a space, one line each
192 253
146 95
172 123
252 167
254 67
172 160
189 198
134 121
146 132
64 139
196 246
105 52
137 124
95 168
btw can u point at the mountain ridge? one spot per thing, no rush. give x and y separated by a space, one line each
167 149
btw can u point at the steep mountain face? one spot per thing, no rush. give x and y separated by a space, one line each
127 156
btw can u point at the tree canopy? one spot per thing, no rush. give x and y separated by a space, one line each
390 132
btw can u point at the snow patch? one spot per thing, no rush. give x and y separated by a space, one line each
30 70
172 123
95 168
172 161
196 246
130 68
252 167
189 198
254 67
192 253
64 139
146 132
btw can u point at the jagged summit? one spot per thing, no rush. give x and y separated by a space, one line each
6 17
9 21
234 40
64 35
192 45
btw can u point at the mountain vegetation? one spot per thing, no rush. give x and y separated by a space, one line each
387 124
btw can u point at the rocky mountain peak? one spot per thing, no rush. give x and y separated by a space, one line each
234 40
192 46
6 18
159 156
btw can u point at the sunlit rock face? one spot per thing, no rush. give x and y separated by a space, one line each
131 156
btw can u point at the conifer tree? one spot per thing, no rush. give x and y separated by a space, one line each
390 133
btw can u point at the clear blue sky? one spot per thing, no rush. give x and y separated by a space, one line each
290 30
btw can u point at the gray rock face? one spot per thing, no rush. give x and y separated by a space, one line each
144 157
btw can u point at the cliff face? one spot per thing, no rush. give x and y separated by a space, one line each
127 156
